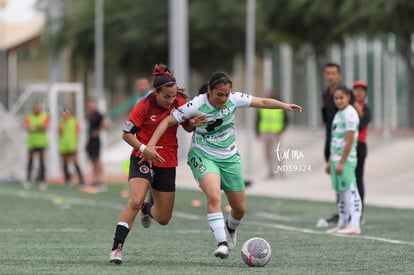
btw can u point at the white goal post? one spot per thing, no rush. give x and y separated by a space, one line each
54 111
13 146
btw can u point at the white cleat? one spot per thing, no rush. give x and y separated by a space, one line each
350 230
231 238
43 186
222 251
115 256
26 184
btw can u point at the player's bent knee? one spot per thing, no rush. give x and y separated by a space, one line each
164 220
135 204
214 202
239 211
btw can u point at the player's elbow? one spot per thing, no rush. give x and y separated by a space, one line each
126 136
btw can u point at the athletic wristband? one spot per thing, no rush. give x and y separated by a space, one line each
142 148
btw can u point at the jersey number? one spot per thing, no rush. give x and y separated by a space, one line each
196 161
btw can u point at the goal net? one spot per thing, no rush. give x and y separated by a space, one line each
13 147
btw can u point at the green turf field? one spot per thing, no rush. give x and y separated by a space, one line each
60 231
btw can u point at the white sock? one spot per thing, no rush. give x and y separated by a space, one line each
124 224
355 206
232 223
343 208
216 222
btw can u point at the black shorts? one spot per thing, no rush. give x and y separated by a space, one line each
93 148
161 179
36 149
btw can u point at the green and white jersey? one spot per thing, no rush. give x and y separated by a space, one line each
218 137
344 120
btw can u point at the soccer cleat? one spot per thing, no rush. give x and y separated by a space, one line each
43 186
68 185
333 219
115 256
222 251
145 218
350 230
26 184
231 237
335 229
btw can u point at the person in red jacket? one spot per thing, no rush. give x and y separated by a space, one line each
360 92
158 177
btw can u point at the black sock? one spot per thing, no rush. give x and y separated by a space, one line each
42 170
29 169
146 209
120 235
80 176
66 171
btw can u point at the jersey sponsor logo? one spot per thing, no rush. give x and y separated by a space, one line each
153 118
144 169
213 124
128 125
225 111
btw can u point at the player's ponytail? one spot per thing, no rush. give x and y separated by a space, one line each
163 77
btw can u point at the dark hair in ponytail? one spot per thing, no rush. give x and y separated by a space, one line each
163 77
203 89
219 78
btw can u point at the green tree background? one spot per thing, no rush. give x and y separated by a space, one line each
136 32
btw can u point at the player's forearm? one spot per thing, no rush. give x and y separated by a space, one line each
132 140
268 103
348 146
159 131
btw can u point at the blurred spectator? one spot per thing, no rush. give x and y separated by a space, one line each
143 87
36 124
97 122
360 92
270 124
68 144
332 75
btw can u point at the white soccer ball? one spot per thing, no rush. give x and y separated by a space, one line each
256 252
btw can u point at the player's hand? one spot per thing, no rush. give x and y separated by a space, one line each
150 154
339 168
291 107
198 121
328 169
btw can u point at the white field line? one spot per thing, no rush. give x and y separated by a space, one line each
275 217
43 230
183 215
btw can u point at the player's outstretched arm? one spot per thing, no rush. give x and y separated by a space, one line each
161 128
270 103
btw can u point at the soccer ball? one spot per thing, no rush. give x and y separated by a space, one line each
256 252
